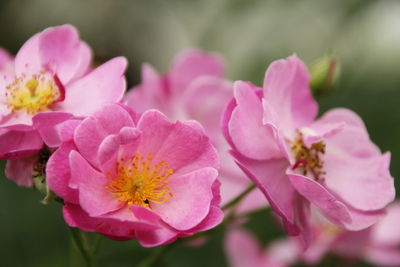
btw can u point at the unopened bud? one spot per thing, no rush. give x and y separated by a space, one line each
325 74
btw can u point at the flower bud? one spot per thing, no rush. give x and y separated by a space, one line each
325 73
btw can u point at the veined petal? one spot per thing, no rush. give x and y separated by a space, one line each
104 85
250 136
286 89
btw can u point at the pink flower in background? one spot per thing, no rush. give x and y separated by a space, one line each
194 88
379 244
128 176
51 82
296 160
242 249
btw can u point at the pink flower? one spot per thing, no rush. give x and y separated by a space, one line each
194 88
50 83
378 244
296 160
128 176
242 249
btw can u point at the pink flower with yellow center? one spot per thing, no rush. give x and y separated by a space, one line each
129 176
194 88
297 160
50 82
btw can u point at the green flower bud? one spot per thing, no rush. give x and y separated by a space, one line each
325 74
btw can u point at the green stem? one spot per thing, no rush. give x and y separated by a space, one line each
156 256
237 199
83 247
96 244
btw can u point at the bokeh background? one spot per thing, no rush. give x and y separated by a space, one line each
365 34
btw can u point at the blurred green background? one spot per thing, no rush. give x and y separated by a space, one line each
365 34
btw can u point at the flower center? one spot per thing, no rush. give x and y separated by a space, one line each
140 182
32 94
308 160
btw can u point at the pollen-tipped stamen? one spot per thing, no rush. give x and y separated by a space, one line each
32 94
308 159
140 182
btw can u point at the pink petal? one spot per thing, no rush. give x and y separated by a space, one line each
181 144
125 218
383 256
58 173
157 237
350 244
151 93
93 197
226 117
363 219
46 122
303 220
343 115
114 147
113 228
18 144
371 177
332 207
320 132
20 170
204 100
270 178
191 64
386 232
66 130
91 132
314 192
59 51
191 199
284 252
28 60
249 135
242 249
105 84
19 121
75 217
213 218
85 60
354 138
286 89
144 214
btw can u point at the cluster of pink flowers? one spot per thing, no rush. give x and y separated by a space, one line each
157 163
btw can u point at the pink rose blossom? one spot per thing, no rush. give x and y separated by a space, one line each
50 83
128 176
296 160
194 88
242 249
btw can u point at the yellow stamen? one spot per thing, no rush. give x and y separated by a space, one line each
32 94
309 159
139 182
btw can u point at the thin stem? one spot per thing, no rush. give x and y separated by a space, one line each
96 244
237 199
156 256
83 247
